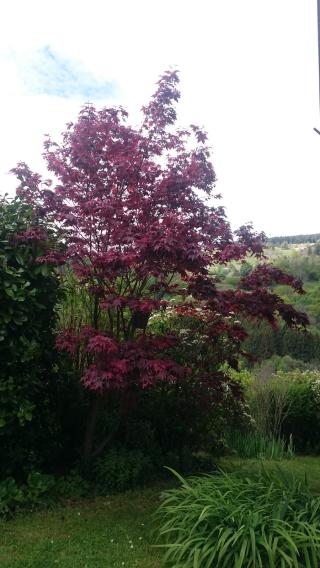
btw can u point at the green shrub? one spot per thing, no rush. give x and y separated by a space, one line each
41 400
72 485
286 405
119 469
303 415
228 521
10 496
29 378
38 487
38 490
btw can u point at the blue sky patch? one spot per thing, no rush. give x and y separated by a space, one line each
50 74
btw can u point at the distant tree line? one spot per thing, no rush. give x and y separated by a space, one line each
295 239
265 342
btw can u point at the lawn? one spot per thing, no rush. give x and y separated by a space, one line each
113 531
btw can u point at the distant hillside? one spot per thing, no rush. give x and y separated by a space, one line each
295 239
302 260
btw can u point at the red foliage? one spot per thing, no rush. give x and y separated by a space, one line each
266 275
121 364
131 206
32 235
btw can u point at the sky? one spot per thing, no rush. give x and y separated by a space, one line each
249 75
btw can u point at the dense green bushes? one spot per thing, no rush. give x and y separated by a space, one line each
302 418
37 390
39 490
285 408
228 521
28 294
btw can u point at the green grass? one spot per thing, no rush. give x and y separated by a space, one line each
106 532
65 538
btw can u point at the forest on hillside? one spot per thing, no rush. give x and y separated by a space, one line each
295 239
281 347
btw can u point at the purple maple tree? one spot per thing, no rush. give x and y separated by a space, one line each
139 219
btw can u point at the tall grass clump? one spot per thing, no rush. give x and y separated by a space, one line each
255 445
267 520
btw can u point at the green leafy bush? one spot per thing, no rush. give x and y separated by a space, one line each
38 484
119 469
40 404
38 490
28 293
303 414
228 521
72 485
287 405
10 496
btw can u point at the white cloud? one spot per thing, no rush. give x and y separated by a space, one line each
249 75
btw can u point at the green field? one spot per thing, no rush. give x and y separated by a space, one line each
107 532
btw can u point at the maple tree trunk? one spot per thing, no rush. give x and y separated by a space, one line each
96 405
90 450
96 311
